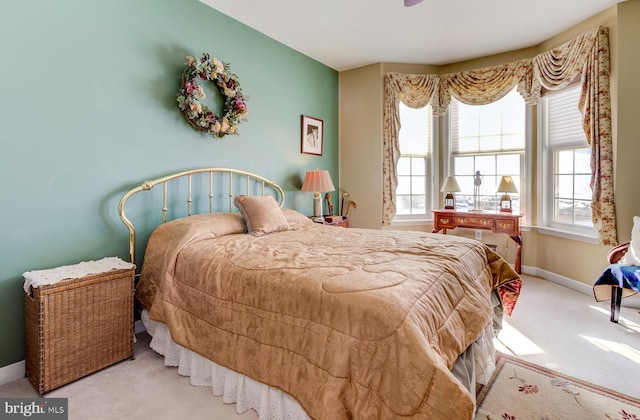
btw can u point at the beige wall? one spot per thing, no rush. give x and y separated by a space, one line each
361 97
360 113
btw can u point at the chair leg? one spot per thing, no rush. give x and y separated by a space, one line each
616 298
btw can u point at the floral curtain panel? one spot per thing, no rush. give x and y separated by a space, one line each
415 91
586 56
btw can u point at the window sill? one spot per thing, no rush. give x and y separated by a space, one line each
569 235
411 222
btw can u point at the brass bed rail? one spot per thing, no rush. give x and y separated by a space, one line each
251 180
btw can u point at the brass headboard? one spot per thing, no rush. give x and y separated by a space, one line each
252 181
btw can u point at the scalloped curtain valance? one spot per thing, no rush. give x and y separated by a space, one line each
586 56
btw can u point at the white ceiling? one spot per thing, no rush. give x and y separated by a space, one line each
345 34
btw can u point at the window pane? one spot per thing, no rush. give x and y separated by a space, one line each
466 184
582 187
404 185
564 186
418 166
464 165
404 166
486 165
563 211
508 164
418 184
583 161
564 162
582 213
489 185
418 204
403 204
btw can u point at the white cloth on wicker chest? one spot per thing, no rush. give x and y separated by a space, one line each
38 278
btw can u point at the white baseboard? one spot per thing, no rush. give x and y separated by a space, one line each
585 289
12 372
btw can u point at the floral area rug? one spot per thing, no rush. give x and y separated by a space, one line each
519 390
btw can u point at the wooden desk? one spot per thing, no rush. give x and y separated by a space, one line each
496 222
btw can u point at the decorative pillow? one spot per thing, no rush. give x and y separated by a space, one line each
296 219
632 257
261 214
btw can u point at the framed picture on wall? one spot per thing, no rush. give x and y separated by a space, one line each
311 141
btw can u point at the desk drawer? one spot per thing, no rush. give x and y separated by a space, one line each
444 221
474 221
506 226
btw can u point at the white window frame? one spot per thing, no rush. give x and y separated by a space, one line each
546 169
526 163
431 188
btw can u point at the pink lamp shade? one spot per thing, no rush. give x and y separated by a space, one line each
316 182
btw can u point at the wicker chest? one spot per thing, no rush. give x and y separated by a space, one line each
78 326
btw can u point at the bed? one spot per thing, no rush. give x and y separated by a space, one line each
335 323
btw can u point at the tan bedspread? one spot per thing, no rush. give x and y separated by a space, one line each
353 323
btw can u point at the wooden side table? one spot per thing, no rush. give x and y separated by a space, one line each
506 223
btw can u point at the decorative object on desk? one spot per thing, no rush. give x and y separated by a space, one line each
317 181
312 136
344 196
450 186
200 116
477 181
351 204
506 186
329 199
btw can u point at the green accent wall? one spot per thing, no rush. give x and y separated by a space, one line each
89 111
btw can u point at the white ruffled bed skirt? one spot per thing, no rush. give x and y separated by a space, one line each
247 393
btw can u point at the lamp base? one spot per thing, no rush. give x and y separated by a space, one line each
505 204
449 202
317 208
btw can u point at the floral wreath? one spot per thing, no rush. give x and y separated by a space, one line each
200 116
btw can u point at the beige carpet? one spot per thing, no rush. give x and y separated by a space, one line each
521 390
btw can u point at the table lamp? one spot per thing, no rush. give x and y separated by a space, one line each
317 181
450 186
506 186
